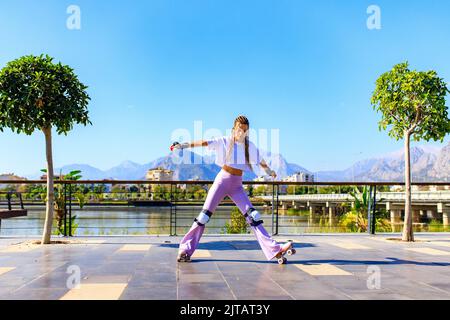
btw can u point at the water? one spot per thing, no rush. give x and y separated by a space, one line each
141 221
93 221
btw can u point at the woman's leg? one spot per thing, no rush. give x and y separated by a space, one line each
215 195
268 245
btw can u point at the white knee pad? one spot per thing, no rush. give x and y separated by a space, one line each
203 217
256 216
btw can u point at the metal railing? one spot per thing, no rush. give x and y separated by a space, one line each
170 198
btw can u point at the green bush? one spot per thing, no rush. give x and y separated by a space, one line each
238 224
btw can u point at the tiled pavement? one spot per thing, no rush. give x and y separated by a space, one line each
227 267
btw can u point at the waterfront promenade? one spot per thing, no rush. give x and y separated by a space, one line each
227 267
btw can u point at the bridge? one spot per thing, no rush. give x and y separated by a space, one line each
425 204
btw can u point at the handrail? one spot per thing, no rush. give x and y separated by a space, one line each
331 183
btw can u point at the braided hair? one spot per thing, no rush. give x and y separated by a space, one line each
240 120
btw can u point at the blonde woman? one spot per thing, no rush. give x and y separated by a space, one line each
235 155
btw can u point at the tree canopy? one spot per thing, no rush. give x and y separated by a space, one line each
36 93
412 102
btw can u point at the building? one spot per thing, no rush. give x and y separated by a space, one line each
159 174
296 177
300 177
261 179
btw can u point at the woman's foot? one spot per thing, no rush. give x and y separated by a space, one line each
286 248
183 257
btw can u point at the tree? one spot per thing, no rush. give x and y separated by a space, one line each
412 104
37 94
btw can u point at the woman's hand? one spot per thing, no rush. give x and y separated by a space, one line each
177 145
271 173
266 168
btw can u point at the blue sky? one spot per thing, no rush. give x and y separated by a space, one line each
306 68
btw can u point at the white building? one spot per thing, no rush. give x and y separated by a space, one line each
261 179
300 177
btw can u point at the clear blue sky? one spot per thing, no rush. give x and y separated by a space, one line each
305 67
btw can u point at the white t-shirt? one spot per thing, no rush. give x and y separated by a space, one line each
237 158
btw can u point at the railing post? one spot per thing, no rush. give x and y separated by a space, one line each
65 209
171 211
276 208
273 213
371 210
175 212
21 201
374 206
70 210
8 196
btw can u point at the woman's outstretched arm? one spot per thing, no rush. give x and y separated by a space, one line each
193 144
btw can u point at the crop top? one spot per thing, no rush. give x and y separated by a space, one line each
237 161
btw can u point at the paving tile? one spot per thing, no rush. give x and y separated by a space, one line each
323 270
349 245
156 292
200 277
134 248
37 294
200 291
96 291
441 243
4 270
430 251
199 253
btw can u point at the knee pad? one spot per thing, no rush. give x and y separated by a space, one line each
255 216
203 217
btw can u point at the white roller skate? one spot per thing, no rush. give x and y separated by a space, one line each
287 248
183 257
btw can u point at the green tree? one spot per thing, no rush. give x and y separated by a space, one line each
412 104
38 94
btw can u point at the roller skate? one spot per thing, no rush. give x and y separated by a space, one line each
287 248
183 257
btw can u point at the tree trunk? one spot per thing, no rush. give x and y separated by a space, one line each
46 236
407 225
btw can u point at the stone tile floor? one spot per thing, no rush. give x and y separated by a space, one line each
226 268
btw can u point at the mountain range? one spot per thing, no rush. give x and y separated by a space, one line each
427 164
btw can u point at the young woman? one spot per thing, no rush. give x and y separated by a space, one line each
235 155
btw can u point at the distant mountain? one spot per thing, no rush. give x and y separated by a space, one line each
441 168
87 171
427 164
127 170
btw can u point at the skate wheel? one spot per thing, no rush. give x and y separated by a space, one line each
290 252
282 260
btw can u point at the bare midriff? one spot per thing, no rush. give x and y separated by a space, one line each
233 171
